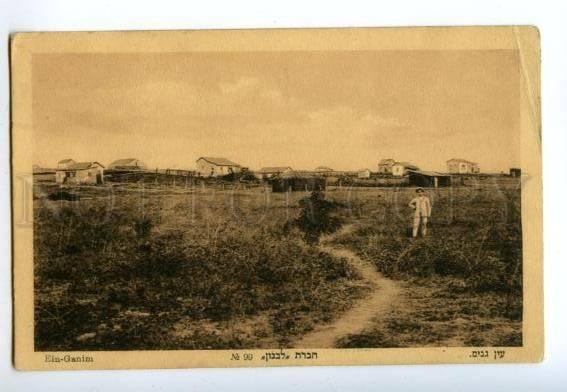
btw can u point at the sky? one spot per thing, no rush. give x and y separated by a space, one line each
342 109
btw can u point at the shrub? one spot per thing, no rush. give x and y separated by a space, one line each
143 226
63 195
316 216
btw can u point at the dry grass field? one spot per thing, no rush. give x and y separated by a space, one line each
132 266
462 285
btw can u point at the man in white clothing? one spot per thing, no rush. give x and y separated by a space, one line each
422 211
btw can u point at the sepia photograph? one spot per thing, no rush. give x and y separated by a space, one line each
278 204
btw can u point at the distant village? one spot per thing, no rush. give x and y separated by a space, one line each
388 172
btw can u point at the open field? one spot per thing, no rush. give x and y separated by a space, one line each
131 266
462 284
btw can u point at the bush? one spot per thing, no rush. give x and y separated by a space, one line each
63 195
316 216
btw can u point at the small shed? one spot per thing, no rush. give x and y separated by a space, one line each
363 173
294 181
428 179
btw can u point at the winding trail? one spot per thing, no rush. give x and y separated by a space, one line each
383 293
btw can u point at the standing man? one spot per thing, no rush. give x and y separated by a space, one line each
422 207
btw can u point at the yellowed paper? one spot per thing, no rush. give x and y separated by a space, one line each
277 197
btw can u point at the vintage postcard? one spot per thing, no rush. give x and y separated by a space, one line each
277 197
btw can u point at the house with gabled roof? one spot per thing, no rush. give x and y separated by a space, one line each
80 173
462 166
385 166
216 167
65 163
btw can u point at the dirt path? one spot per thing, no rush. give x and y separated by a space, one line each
354 320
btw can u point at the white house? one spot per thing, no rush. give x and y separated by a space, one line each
215 167
400 169
462 166
80 173
385 166
65 163
363 173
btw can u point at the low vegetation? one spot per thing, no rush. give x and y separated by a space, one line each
121 278
143 266
464 282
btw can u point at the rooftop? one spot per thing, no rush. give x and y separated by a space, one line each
461 160
430 173
386 161
408 165
82 166
125 162
219 161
